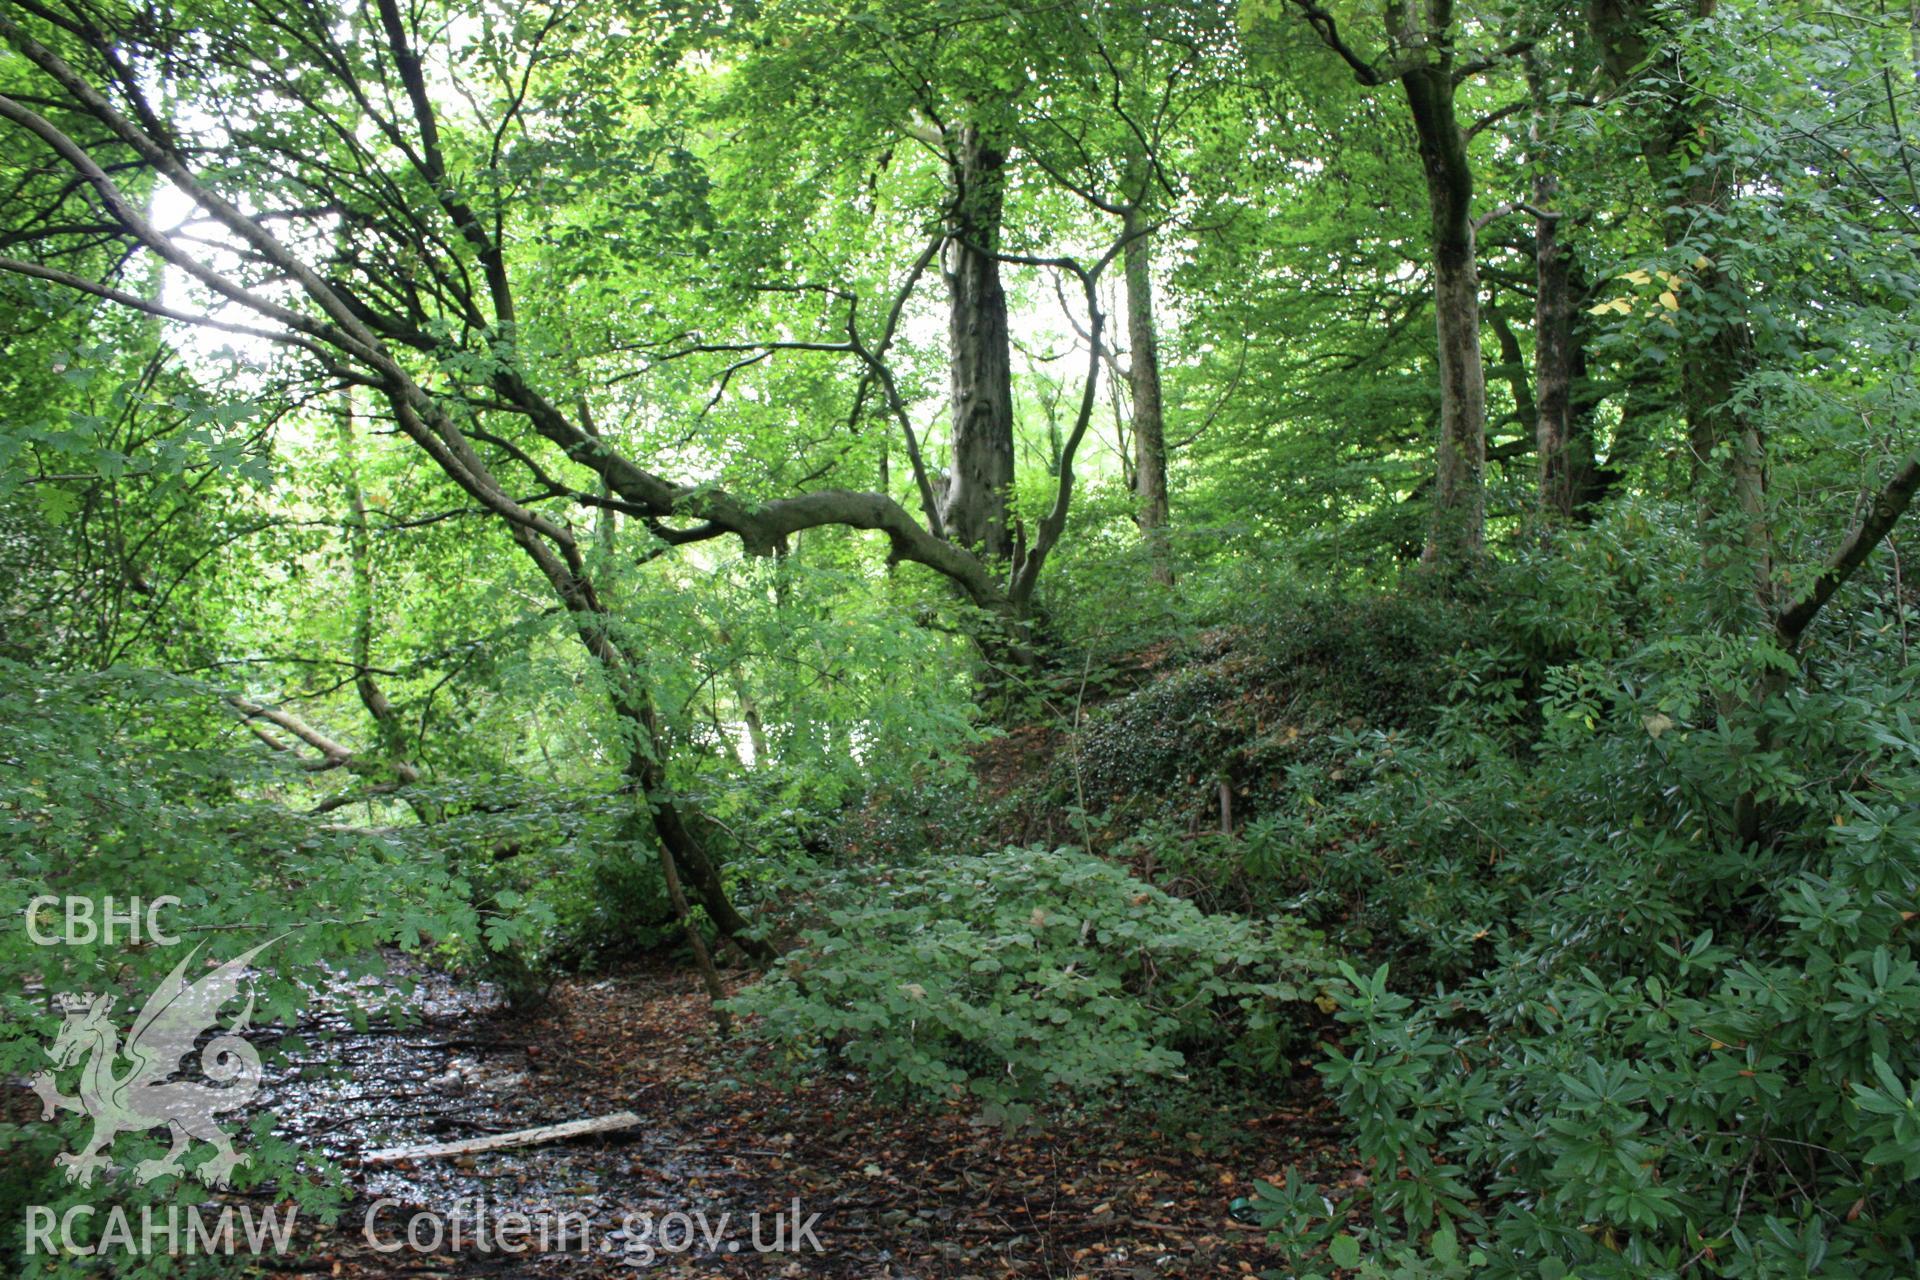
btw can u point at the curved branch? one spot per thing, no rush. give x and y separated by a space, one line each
1328 29
422 418
434 166
134 302
1888 506
1027 574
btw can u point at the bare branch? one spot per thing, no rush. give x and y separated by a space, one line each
1885 511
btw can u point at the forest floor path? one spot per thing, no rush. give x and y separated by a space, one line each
897 1193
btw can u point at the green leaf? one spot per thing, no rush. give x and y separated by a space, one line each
1345 1251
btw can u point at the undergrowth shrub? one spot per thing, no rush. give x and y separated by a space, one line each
122 787
1613 1040
1244 703
1023 976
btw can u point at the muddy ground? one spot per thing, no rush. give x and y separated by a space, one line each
880 1191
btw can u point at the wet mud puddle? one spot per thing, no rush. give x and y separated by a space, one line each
457 1064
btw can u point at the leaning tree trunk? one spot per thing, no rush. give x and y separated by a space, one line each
1457 535
1149 418
974 507
647 777
646 770
697 943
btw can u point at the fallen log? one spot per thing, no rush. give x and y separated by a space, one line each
501 1141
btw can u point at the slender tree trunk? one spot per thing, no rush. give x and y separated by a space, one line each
1731 497
634 828
1149 418
360 578
1457 535
386 721
702 958
974 506
1565 451
1564 445
750 715
646 770
648 778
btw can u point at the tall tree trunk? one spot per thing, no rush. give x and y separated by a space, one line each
1565 449
1731 501
1730 498
974 506
1149 418
648 780
1457 535
1563 441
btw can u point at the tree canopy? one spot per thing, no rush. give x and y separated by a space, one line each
1076 545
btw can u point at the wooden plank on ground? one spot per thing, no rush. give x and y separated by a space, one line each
502 1141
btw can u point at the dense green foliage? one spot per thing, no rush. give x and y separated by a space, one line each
1023 974
116 787
525 486
1608 1040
